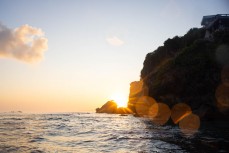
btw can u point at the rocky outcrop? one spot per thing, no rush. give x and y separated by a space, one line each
111 107
190 70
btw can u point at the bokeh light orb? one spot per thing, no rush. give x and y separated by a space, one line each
141 108
159 113
179 111
225 75
190 124
222 97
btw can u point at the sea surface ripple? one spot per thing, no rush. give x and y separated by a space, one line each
91 132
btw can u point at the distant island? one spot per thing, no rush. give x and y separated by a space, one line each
191 71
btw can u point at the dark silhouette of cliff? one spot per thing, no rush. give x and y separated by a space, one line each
189 69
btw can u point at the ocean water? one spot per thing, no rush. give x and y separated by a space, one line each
91 132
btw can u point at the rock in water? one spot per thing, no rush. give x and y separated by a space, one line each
109 107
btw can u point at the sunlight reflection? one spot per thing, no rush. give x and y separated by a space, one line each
179 111
190 124
159 113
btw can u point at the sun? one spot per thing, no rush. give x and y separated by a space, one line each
120 99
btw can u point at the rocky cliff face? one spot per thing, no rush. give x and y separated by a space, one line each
189 70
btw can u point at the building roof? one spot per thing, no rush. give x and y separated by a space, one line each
209 19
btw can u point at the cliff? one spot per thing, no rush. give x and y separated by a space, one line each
190 70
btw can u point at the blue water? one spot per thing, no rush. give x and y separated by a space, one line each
90 132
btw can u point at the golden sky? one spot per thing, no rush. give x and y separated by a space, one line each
70 56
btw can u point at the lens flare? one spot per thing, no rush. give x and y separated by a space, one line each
225 75
136 88
222 97
141 108
190 124
120 99
143 104
179 111
159 113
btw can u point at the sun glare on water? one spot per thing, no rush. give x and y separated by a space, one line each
120 99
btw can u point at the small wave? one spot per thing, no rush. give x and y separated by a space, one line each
123 138
13 118
7 148
37 139
36 151
86 141
40 133
54 118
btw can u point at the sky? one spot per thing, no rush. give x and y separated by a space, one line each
73 56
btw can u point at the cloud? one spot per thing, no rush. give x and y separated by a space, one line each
24 43
114 41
